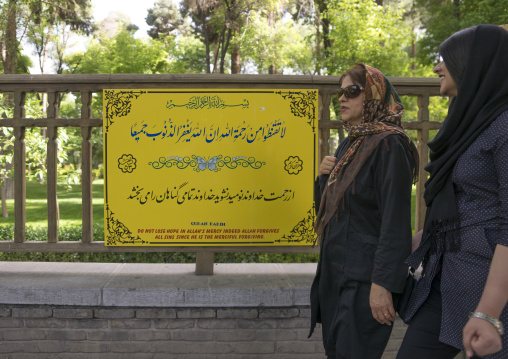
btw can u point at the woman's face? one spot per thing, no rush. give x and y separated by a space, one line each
351 109
448 86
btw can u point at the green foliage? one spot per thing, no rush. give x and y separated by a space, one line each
438 106
365 32
266 258
6 154
282 44
442 18
33 140
163 19
50 20
23 64
70 108
187 56
36 147
122 54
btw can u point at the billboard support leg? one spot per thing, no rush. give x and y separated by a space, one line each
204 263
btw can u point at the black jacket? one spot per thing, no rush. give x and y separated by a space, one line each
367 241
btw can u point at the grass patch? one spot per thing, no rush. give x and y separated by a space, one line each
69 203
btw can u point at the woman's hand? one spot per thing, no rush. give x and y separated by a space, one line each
381 304
417 239
481 337
326 166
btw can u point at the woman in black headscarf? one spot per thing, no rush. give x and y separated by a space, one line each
460 300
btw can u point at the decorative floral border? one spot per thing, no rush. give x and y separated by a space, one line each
118 103
303 232
302 104
214 163
118 232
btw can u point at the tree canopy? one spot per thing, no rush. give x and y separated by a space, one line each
38 21
441 18
243 36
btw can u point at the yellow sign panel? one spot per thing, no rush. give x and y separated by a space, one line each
209 167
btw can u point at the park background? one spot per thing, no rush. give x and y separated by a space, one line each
294 37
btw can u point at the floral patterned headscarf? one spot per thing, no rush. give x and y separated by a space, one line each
381 116
381 104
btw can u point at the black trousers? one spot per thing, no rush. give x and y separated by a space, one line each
422 336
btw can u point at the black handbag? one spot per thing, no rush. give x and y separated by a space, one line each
403 298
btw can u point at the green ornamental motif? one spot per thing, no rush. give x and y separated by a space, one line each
214 163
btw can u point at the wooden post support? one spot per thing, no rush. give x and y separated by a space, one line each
52 166
204 263
423 151
324 133
86 169
19 170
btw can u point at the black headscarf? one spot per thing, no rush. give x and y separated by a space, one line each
482 96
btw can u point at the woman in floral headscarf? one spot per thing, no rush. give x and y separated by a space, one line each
364 220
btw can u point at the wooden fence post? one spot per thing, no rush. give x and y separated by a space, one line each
423 151
86 170
52 167
19 169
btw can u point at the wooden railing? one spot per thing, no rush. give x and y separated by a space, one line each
86 85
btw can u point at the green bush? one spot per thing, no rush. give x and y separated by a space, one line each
98 173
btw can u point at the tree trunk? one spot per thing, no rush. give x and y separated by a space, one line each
413 51
224 50
272 69
46 50
325 27
456 11
318 42
216 46
205 36
9 47
9 41
235 60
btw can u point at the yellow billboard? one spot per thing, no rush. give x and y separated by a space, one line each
209 167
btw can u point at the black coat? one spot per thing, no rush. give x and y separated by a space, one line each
366 241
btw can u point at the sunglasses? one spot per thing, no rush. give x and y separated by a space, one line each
350 91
